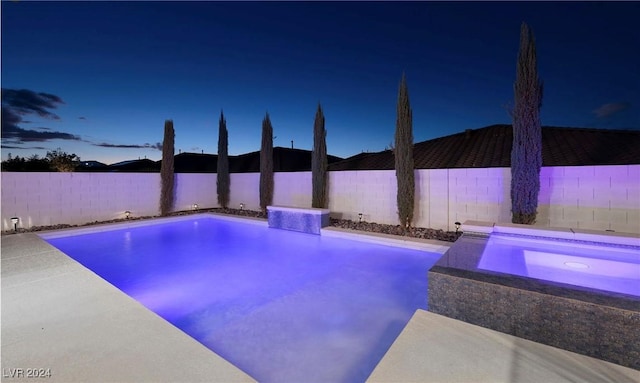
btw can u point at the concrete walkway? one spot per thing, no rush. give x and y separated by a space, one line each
62 318
434 348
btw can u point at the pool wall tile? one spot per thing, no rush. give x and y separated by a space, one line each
298 219
599 330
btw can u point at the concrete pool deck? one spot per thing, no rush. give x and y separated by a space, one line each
58 315
434 348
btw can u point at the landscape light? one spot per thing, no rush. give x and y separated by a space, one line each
195 206
241 206
14 221
360 217
127 214
457 226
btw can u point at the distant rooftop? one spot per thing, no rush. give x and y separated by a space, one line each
491 147
474 148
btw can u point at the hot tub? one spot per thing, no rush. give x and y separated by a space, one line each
576 290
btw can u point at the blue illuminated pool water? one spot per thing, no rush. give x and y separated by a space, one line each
613 268
282 306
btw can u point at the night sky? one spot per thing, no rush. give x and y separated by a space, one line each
98 79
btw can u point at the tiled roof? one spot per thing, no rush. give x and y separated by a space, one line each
491 147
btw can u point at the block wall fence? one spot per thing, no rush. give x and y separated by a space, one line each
585 197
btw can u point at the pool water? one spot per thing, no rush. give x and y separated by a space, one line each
614 268
282 306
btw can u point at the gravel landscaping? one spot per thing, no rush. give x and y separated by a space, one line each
416 232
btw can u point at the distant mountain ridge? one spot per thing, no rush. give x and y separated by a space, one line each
284 160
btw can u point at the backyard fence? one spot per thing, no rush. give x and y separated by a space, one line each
585 197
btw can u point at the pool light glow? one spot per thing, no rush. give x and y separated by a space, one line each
576 265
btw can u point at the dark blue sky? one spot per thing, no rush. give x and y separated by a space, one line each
99 78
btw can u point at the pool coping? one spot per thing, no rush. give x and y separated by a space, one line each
56 233
563 233
430 245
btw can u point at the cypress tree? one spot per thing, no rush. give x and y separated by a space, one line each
526 150
223 180
166 169
319 162
404 156
266 164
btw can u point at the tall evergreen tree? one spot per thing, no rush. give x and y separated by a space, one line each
266 164
319 162
166 169
223 180
404 156
526 150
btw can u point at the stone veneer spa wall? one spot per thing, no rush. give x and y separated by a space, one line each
596 323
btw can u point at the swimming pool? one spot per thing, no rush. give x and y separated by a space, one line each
280 305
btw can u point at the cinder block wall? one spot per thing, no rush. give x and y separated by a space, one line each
480 194
245 189
290 189
591 197
586 197
190 189
42 199
372 193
